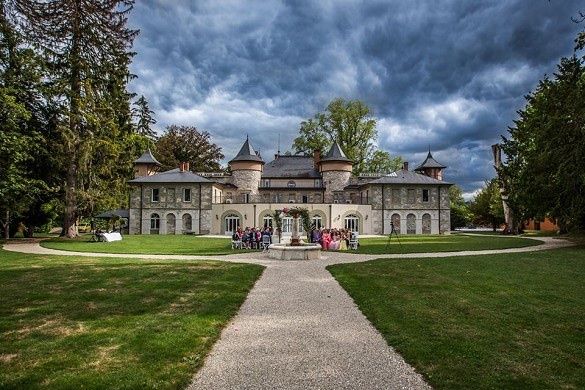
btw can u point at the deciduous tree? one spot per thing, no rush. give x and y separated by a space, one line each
187 144
351 124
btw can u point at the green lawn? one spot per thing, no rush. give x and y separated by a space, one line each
146 244
506 321
112 323
193 245
442 243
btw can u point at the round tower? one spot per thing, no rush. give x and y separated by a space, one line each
335 169
246 169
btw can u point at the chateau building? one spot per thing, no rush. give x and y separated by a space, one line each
180 201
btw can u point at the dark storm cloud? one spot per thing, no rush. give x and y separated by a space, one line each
449 74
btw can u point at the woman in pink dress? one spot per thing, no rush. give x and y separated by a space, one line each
325 239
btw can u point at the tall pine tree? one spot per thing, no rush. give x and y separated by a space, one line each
87 46
144 119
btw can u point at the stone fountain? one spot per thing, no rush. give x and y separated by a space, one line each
296 250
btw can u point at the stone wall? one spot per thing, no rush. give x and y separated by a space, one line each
246 181
171 205
405 200
335 181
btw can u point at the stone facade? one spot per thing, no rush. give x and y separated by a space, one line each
175 214
414 202
335 181
247 180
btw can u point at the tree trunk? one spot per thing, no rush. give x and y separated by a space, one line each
70 214
6 226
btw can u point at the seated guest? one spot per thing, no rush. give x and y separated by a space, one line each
334 245
252 240
343 241
246 238
315 236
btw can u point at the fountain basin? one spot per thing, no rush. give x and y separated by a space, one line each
301 252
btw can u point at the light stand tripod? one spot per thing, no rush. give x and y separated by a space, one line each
393 231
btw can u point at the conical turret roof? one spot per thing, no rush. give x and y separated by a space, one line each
247 153
336 154
147 158
430 162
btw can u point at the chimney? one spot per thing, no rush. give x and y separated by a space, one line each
184 166
405 166
316 157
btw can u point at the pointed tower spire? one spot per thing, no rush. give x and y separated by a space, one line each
431 167
247 153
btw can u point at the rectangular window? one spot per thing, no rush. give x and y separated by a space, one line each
186 194
291 198
246 198
317 183
396 196
266 183
425 195
155 195
411 196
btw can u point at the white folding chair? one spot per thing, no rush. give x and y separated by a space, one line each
236 244
265 242
353 243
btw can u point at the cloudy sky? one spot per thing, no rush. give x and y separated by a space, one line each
449 74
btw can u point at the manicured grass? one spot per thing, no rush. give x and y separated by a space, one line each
112 323
151 244
192 245
436 243
506 321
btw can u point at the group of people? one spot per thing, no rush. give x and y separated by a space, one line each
329 239
334 239
252 238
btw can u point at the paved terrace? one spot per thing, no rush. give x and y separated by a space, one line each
298 328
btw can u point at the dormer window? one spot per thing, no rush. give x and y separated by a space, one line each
291 184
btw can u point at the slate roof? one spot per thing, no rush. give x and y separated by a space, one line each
172 176
335 154
300 167
407 177
429 162
147 158
247 153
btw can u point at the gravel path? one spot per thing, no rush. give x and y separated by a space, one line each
299 329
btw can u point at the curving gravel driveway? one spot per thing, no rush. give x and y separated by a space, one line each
299 329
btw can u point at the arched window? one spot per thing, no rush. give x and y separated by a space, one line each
352 222
426 223
291 184
187 222
171 223
267 221
232 223
154 223
411 224
396 222
317 221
